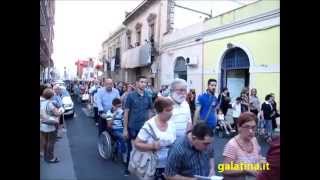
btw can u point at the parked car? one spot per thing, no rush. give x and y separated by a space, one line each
67 103
60 83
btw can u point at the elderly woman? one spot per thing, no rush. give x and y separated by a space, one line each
49 118
243 148
163 129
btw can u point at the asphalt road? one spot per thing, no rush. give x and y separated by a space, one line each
82 134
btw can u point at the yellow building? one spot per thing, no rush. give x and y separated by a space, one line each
242 48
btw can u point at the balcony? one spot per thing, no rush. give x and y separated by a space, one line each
136 57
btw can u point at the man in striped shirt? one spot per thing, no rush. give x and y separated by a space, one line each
181 115
191 155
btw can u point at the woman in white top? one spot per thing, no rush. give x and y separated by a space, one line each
163 129
49 120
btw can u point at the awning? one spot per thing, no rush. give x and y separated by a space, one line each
136 57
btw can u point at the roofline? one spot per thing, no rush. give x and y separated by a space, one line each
135 10
116 32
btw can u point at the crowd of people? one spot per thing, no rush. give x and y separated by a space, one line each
169 134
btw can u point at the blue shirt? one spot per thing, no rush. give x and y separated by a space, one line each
105 98
208 102
139 107
57 101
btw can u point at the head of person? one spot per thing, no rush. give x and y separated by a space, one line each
245 90
247 125
141 83
163 107
178 90
225 91
125 87
108 83
268 98
272 96
202 136
238 100
48 93
57 89
116 103
253 91
42 88
212 84
220 111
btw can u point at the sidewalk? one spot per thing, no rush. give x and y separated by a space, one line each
64 170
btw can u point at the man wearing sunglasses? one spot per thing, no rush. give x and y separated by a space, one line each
192 155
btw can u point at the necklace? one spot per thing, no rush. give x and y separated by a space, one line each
248 149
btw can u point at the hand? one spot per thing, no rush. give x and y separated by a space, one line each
254 173
125 133
156 145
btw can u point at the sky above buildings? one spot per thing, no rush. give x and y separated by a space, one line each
82 25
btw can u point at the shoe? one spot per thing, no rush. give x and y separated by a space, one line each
97 124
54 160
64 130
126 172
227 133
59 137
232 130
41 154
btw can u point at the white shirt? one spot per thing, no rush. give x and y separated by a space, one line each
236 110
181 116
166 138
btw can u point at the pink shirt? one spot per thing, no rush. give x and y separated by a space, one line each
232 150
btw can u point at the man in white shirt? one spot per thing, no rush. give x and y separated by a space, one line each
181 114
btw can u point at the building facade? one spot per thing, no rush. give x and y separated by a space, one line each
242 49
47 10
145 27
181 56
112 49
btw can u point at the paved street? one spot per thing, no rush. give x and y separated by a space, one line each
79 156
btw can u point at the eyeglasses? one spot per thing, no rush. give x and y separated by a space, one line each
181 90
254 128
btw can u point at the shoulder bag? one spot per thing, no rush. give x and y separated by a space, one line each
143 164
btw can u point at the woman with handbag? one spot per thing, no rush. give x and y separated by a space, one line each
154 140
49 120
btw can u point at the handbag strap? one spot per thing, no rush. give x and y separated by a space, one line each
209 110
152 133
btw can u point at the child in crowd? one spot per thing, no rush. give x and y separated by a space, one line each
115 123
236 107
224 122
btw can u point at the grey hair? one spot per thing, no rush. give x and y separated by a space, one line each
178 81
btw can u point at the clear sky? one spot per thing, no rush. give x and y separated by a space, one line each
82 25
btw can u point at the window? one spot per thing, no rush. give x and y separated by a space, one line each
129 41
151 31
138 38
138 34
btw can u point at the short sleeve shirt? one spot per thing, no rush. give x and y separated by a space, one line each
233 151
181 116
166 139
139 107
208 102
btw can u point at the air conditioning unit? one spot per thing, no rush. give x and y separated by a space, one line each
192 61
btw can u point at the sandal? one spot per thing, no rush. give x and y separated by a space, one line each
55 160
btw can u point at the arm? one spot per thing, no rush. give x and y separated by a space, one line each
141 145
227 160
99 101
125 123
196 115
212 167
